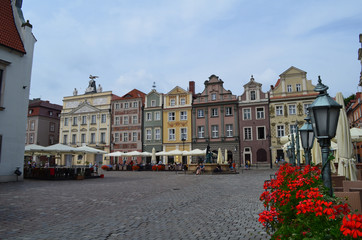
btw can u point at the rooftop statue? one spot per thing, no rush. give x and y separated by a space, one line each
92 85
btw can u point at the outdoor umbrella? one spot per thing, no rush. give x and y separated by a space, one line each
219 156
115 154
346 162
226 156
153 158
87 149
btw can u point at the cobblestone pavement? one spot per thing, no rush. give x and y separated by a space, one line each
135 205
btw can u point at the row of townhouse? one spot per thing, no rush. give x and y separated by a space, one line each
246 127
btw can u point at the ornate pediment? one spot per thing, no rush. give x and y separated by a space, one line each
85 107
177 90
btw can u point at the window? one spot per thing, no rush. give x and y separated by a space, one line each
66 121
215 131
182 101
125 137
292 129
157 116
31 138
75 121
247 114
292 110
261 133
201 131
134 136
214 112
247 133
32 125
65 139
116 137
260 113
228 111
126 105
183 133
51 139
171 116
229 130
280 130
183 115
171 134
93 121
84 119
298 88
93 138
148 134
153 103
157 133
213 96
306 108
125 120
148 116
103 137
74 139
82 138
118 122
135 104
289 88
50 113
103 118
200 113
30 111
252 95
116 106
52 127
279 110
172 102
134 119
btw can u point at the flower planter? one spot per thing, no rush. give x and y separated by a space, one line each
79 177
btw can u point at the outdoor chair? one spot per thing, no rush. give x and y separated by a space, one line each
337 183
353 199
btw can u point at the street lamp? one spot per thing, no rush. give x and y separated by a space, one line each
324 115
307 137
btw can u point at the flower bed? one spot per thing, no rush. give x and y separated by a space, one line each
105 167
135 168
159 167
298 207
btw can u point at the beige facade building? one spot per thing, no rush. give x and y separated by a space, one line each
289 102
86 120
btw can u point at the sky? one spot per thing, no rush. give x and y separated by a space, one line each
131 44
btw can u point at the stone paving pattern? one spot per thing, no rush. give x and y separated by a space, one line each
135 205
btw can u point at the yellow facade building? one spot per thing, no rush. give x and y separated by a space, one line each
177 123
86 120
289 102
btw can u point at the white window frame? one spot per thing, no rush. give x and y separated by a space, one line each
126 105
298 87
253 95
289 88
125 137
183 115
306 106
66 121
148 116
153 103
172 102
134 119
171 116
257 132
228 111
292 128
214 112
125 120
117 120
116 137
157 133
74 139
116 106
103 118
246 113
157 116
172 134
201 131
182 101
279 110
214 131
148 134
229 130
213 96
94 119
260 113
103 137
183 133
135 104
200 113
292 109
83 138
93 138
280 130
75 121
134 136
248 133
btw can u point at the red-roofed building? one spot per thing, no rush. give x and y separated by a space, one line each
288 106
127 124
16 58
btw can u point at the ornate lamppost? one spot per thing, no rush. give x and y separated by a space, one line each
324 115
307 137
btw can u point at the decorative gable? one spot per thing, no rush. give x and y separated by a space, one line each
85 107
177 90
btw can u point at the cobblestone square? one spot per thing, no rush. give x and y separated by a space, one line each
135 205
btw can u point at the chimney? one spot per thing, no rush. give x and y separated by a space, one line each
192 87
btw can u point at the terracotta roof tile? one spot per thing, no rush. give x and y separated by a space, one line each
9 35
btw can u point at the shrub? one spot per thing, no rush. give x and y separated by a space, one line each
105 167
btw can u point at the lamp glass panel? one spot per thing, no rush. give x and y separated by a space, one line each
321 120
333 121
310 139
304 138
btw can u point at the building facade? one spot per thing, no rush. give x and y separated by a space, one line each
289 102
153 118
215 120
177 123
16 57
43 123
254 124
86 120
127 123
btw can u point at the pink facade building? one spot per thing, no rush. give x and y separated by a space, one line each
215 120
127 124
254 124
